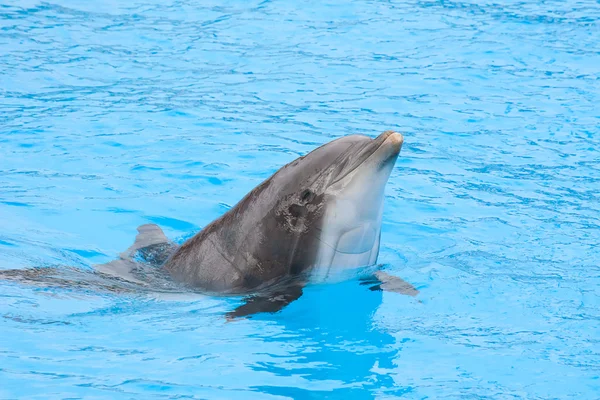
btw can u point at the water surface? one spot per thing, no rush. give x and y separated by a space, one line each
115 114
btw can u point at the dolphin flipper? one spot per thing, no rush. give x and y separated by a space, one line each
389 283
269 302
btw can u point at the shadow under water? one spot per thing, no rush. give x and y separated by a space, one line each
337 321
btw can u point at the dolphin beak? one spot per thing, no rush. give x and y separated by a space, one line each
389 144
393 137
384 148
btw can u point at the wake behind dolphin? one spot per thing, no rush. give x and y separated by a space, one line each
314 218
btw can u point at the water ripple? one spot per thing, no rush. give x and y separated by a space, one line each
118 114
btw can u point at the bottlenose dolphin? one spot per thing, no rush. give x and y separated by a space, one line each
314 218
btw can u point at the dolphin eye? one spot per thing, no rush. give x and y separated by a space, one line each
306 195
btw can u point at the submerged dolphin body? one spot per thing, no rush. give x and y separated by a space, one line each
314 218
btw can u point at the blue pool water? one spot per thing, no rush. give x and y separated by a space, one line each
115 113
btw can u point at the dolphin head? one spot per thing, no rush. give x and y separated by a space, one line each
331 202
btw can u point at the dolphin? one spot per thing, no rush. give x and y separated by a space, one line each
311 221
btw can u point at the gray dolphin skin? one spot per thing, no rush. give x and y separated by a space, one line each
314 219
320 212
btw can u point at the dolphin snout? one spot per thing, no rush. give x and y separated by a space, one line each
392 141
391 136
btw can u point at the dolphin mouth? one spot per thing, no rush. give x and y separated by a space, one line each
384 147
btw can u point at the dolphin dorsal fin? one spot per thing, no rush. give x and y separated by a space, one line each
148 235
